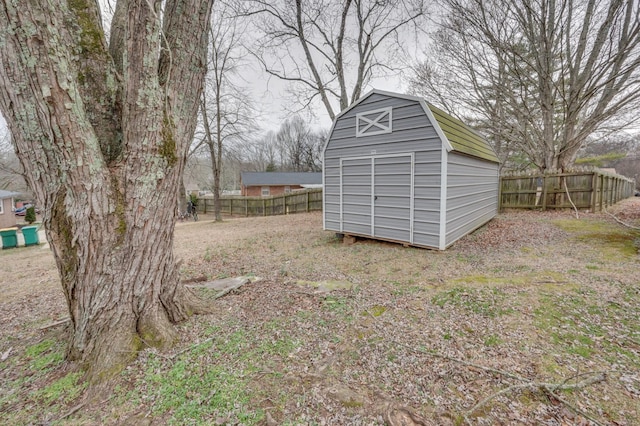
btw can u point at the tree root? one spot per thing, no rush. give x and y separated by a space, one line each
549 389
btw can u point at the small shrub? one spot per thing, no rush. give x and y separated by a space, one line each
30 215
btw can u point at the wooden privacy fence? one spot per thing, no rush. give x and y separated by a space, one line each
591 190
295 202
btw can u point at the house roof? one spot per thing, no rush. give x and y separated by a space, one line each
280 178
6 194
455 135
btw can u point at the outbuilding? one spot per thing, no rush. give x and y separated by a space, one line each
265 184
399 169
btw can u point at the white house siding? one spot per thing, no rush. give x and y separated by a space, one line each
472 194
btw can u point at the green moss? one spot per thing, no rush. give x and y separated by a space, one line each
168 146
611 240
378 310
91 40
62 226
352 403
119 211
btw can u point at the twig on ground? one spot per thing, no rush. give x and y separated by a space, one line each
546 387
575 409
637 228
549 388
174 356
478 366
71 412
53 324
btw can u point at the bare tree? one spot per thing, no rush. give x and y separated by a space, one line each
102 131
298 146
331 49
259 154
11 174
226 112
542 75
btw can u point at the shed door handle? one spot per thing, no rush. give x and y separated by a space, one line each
375 197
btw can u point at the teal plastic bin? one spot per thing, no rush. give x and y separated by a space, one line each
30 234
9 237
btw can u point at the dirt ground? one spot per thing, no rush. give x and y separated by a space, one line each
532 319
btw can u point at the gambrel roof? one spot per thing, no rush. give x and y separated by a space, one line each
455 135
463 138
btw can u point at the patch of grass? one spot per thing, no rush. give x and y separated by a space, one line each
377 310
214 379
610 239
207 255
580 324
44 355
335 304
190 390
62 390
492 340
488 302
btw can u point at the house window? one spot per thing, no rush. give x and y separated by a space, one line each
376 122
1 206
265 191
287 189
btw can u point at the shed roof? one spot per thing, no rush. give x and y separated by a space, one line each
455 135
463 138
280 178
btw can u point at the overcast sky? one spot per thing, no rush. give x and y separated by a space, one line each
270 93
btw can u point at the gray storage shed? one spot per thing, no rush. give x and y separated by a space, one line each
396 168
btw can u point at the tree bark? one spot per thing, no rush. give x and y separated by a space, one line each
103 144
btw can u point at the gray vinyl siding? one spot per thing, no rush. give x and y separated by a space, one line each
383 177
331 194
472 194
428 166
412 133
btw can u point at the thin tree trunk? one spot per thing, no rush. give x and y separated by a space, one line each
217 209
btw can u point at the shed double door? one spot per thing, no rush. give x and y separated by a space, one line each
376 196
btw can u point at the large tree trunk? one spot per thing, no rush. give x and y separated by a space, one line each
102 133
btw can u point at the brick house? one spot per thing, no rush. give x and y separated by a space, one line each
265 184
7 216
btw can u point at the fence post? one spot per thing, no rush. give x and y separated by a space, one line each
500 183
307 201
594 183
544 193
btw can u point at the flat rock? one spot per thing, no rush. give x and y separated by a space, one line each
224 283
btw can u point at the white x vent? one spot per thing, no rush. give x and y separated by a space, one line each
376 122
